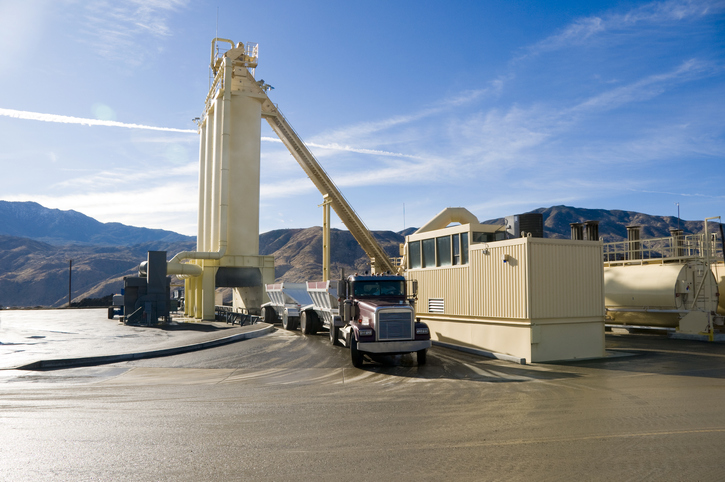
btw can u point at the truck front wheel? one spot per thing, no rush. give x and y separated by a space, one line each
422 356
355 354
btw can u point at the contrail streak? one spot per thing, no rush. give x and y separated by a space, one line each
63 119
359 150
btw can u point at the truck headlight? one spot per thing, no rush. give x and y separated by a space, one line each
366 332
421 331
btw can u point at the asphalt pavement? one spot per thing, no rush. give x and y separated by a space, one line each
39 339
288 406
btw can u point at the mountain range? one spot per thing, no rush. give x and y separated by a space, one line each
56 227
37 244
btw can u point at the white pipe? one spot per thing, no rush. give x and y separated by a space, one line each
201 218
183 269
174 268
224 179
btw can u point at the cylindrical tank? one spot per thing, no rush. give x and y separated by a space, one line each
244 169
658 294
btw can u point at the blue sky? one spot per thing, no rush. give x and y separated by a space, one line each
411 106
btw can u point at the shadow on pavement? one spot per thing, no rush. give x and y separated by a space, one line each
658 354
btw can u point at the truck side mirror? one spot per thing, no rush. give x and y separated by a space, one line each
412 286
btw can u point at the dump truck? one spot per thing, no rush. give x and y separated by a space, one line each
323 311
377 317
372 314
287 300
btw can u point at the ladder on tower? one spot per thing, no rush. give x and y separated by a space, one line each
379 260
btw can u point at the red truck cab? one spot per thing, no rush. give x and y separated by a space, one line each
379 318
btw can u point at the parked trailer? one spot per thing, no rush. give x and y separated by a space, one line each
324 310
287 300
116 307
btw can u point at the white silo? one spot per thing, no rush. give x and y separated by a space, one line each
229 166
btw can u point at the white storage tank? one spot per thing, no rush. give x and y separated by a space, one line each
660 294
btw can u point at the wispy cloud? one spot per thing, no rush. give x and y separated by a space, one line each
120 29
99 180
363 131
646 88
586 29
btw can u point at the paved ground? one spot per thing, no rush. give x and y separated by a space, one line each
28 336
291 407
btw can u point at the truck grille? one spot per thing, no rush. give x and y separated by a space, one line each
395 325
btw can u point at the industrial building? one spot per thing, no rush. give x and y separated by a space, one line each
526 298
502 290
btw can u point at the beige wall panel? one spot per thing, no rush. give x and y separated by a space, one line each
566 279
450 284
498 289
508 339
567 341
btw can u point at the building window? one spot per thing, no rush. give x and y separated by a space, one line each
464 248
429 253
443 247
414 254
487 237
456 250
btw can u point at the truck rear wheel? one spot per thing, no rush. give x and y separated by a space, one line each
422 356
313 321
111 312
287 322
355 354
269 315
306 322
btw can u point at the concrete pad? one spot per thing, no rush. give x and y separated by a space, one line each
43 339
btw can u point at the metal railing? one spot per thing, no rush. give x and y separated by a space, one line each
228 315
671 248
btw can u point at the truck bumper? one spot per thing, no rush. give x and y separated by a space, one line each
406 346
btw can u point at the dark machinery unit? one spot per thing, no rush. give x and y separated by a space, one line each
529 224
147 298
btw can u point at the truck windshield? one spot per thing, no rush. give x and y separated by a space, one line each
378 288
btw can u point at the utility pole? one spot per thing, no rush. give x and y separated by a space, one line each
70 274
678 216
